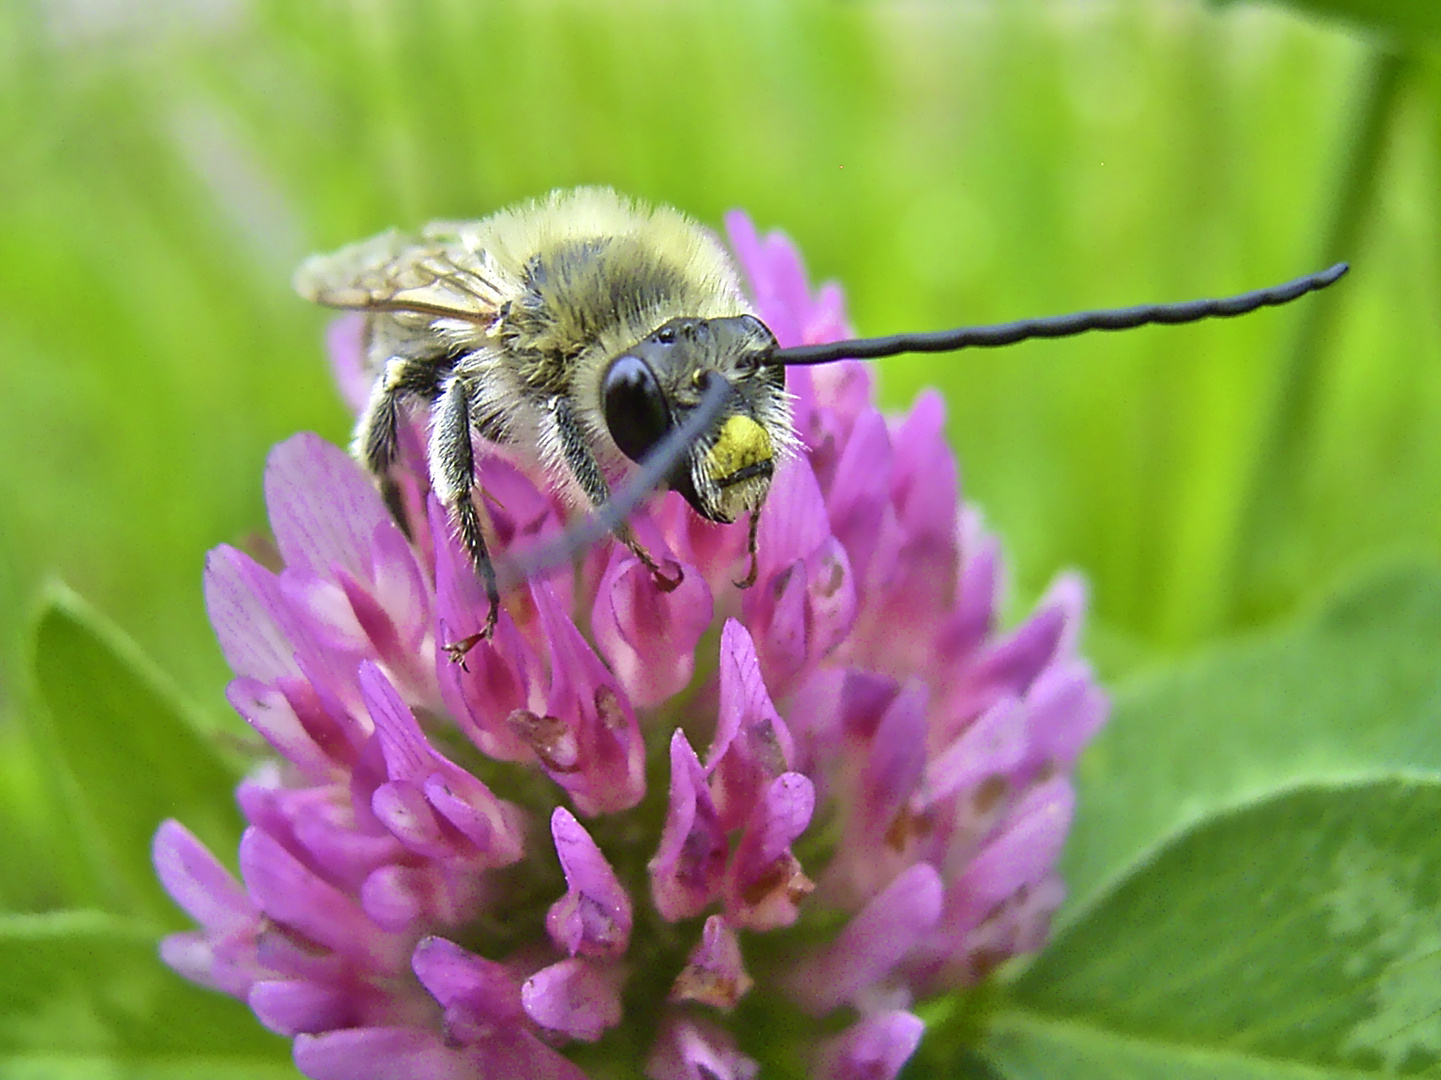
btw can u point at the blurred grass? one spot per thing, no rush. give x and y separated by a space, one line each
947 162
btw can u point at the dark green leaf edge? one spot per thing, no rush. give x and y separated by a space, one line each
1402 22
56 596
87 995
103 1067
1406 587
1021 1046
1146 857
106 875
1012 1015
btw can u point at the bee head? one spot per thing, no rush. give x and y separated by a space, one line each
649 389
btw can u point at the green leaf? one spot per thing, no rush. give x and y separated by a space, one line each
131 753
85 995
1401 19
1354 691
1300 935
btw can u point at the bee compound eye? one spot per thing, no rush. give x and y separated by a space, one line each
635 410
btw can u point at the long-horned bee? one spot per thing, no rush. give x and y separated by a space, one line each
613 340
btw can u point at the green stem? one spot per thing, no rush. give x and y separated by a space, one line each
1272 496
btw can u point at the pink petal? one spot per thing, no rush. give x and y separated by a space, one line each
594 916
384 1053
294 1006
456 977
251 619
714 974
874 1048
269 712
432 805
974 617
860 490
607 774
289 893
879 834
317 827
775 298
226 967
1007 666
396 897
649 636
872 944
399 586
752 744
573 998
1026 850
924 483
795 521
764 883
1066 709
689 863
689 1049
196 880
323 509
993 746
344 345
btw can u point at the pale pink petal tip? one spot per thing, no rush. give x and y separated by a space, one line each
384 1053
649 635
594 916
574 998
345 344
695 1050
323 509
714 974
687 868
874 1048
197 881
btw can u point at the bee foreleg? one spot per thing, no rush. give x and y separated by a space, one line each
586 470
452 468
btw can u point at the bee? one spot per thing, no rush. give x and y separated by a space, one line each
613 342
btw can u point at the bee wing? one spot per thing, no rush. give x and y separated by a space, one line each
393 272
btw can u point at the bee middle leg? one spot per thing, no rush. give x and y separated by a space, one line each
377 445
583 466
452 466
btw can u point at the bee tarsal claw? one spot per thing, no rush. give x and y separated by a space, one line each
667 582
751 574
457 650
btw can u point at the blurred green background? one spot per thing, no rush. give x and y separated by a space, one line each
163 167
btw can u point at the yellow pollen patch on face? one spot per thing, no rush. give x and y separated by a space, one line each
741 443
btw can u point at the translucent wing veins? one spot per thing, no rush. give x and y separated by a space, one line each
391 272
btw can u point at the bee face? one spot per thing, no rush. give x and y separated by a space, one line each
649 388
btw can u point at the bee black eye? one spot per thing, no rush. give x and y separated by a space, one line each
635 409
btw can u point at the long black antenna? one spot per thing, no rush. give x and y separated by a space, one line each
1056 326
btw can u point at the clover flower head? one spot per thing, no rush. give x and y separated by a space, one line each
633 817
